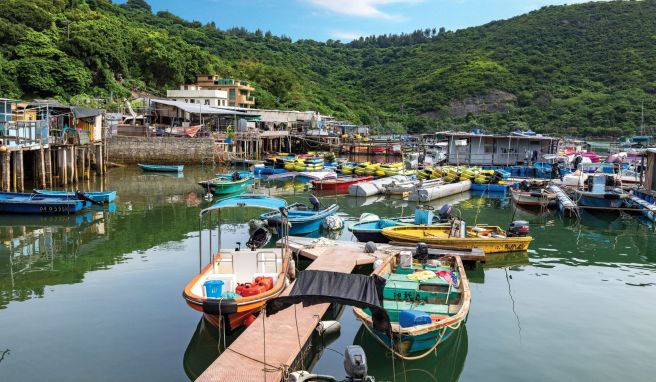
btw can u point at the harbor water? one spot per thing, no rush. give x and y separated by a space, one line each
97 296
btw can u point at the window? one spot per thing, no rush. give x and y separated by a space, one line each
243 92
207 102
210 78
191 101
186 87
186 100
231 94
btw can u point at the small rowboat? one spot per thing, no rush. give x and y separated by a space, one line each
490 239
534 198
224 185
300 218
341 183
19 203
160 168
372 230
97 196
423 311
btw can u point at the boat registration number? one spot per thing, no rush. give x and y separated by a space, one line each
53 209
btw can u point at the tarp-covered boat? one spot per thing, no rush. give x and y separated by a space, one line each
228 184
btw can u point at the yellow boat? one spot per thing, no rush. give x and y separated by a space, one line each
490 239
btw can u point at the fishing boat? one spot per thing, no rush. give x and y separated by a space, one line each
372 230
236 283
598 194
426 300
97 196
341 183
301 218
227 184
370 226
20 203
490 239
532 195
160 168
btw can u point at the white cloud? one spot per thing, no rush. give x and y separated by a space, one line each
346 36
361 8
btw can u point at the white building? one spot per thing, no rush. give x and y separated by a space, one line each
195 94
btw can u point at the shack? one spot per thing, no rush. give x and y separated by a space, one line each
500 150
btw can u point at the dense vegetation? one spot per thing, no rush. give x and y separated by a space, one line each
580 69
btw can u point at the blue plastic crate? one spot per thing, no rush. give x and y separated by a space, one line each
410 318
213 288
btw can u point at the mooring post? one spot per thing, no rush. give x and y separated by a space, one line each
41 168
99 160
71 164
6 171
48 167
62 165
19 175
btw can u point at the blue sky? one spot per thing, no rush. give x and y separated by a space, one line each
347 19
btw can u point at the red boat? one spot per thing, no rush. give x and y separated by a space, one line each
339 184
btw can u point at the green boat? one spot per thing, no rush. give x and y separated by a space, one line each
227 184
426 301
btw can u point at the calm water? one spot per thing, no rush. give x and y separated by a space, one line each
98 296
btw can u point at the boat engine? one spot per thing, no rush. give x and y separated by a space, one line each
421 252
259 238
316 204
445 213
355 364
519 228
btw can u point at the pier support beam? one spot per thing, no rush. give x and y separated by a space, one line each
61 164
19 171
41 169
48 167
71 165
99 159
6 171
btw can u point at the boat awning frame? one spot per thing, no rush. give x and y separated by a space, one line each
248 200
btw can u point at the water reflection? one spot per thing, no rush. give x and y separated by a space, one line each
36 251
446 364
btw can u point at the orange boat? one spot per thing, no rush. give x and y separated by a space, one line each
231 290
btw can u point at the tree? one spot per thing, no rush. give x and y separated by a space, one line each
137 5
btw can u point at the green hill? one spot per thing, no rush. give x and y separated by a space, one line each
579 69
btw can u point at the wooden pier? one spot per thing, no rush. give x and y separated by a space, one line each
273 345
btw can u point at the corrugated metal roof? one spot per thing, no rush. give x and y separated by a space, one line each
196 108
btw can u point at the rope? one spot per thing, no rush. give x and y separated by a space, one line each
413 358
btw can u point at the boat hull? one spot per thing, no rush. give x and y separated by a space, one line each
99 197
422 234
160 168
301 222
17 203
226 187
607 200
531 199
339 184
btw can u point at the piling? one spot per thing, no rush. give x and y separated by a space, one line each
41 168
99 160
6 171
19 171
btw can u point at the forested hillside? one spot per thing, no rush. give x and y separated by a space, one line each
579 69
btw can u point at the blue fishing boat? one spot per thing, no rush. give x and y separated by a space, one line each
20 203
97 196
160 168
502 188
598 194
302 219
371 230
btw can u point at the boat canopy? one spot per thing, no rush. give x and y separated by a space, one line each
319 287
248 200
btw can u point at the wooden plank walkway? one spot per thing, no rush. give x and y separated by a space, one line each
244 360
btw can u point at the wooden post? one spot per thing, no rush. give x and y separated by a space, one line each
19 171
83 163
47 156
41 168
71 164
63 169
99 160
6 171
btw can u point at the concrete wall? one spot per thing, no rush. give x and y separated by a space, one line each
159 150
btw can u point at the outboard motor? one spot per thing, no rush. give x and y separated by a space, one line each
316 204
259 238
236 176
519 228
355 364
79 195
421 252
445 213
